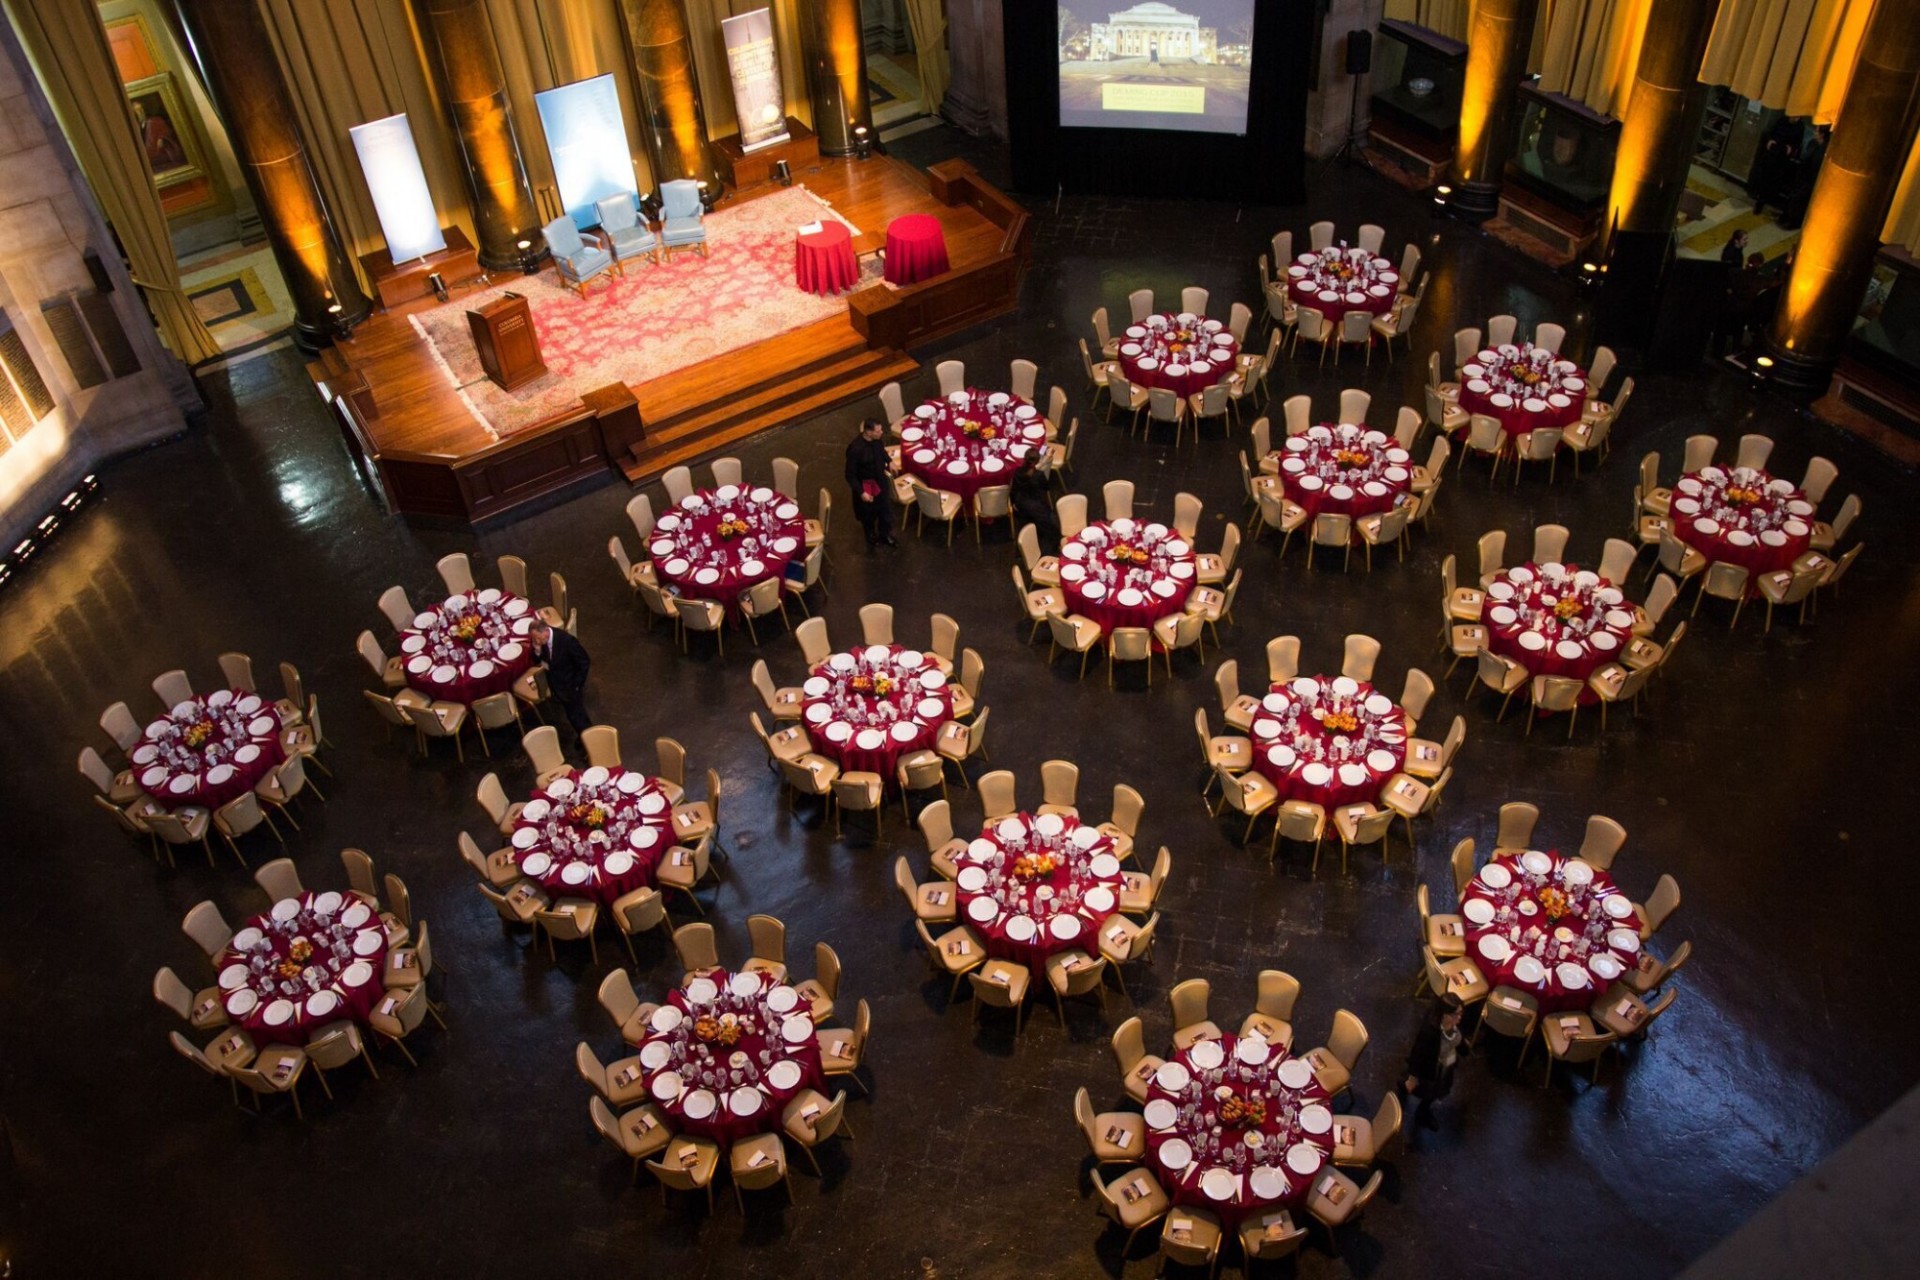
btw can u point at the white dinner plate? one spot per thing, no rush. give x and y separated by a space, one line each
744 984
368 942
357 974
1495 876
1529 970
619 862
242 1002
1295 1073
1173 1077
1207 1054
1087 837
1267 1182
526 838
327 903
576 873
1022 929
1315 1118
1064 928
1303 1158
286 909
702 991
1477 911
652 803
666 1018
797 1029
1577 872
356 914
1316 774
1049 824
1220 1184
1160 1114
1252 1050
655 1054
1099 900
594 776
630 783
279 1013
1617 905
1175 1154
746 1101
784 1075
972 880
1495 948
1605 967
322 1003
981 910
667 1085
1627 940
782 999
1573 976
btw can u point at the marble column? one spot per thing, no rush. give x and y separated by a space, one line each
1662 120
1339 105
1497 44
465 61
976 51
673 122
1871 141
836 56
236 61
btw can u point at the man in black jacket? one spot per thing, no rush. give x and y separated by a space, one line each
566 662
869 477
1436 1049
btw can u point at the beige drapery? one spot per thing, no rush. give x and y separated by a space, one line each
930 50
1590 50
68 49
1451 18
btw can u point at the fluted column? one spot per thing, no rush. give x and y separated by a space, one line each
1662 120
836 72
673 120
1497 45
1871 140
236 60
465 60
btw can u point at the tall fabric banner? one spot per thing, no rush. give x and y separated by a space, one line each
398 186
754 64
587 141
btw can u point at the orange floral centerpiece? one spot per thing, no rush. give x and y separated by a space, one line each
1352 457
465 628
731 527
198 733
1032 866
1122 553
588 814
1250 1112
1526 374
1339 721
879 686
1553 902
723 1029
1741 495
301 950
980 430
1567 607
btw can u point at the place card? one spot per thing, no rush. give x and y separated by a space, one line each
1570 1025
1277 1225
938 897
1343 1135
627 1076
958 947
1133 1191
757 1159
1333 1189
1180 1228
999 976
1119 1137
689 1156
809 1111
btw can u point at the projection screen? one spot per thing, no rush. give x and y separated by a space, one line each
1182 65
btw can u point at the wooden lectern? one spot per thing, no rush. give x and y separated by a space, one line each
509 348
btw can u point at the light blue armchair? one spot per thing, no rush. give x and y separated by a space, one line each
680 216
628 237
577 260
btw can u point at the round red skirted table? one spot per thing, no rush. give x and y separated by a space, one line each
208 751
1335 281
823 260
1154 580
1032 887
310 960
866 709
1552 927
727 1052
1523 387
916 248
1182 352
597 833
1328 740
1238 1126
969 440
1344 469
1743 516
719 542
1557 620
469 646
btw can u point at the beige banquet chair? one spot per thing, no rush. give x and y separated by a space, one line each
456 571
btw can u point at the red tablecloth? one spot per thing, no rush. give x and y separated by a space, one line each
1770 528
823 260
1138 595
241 744
1524 623
1033 887
1355 280
1494 383
339 976
694 1074
1567 962
597 833
1306 759
1166 351
916 248
695 558
1184 1106
469 646
945 445
866 709
1344 469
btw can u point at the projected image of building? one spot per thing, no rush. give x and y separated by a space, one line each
1154 31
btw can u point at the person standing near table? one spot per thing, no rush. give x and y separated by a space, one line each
869 476
1430 1064
567 663
1033 503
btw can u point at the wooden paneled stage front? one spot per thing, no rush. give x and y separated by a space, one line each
415 437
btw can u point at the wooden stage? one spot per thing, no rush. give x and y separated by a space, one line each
416 439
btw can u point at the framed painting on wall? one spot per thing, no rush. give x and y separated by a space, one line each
166 132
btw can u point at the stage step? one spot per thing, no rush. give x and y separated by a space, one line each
826 379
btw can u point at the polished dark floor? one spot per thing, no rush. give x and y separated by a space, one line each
1766 774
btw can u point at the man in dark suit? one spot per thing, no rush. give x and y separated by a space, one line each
566 662
868 476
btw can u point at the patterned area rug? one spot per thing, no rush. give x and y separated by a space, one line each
652 322
239 296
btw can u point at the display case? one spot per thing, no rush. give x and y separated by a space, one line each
1563 152
1886 333
1417 79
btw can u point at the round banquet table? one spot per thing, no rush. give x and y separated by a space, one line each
1334 282
280 996
468 646
1204 1158
1525 622
1344 469
1329 764
1744 517
866 709
597 833
1032 887
1523 387
241 745
1566 960
719 542
916 248
1155 581
727 1052
1183 352
969 440
823 260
